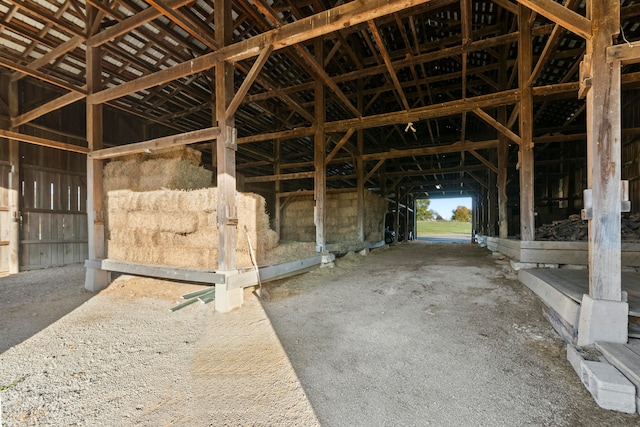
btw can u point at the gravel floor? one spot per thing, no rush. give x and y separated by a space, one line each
122 358
414 335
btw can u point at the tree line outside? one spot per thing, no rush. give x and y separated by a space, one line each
423 213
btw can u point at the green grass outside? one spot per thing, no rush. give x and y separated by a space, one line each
430 228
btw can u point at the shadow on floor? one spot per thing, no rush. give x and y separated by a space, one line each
32 300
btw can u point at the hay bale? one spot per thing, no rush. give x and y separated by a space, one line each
174 168
179 228
342 218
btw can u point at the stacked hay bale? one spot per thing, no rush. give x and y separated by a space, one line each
179 228
172 168
297 220
163 223
342 218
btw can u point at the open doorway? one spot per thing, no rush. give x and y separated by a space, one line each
444 219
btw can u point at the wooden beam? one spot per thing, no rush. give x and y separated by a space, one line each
279 177
441 149
525 60
604 148
507 5
296 32
561 15
188 25
95 279
156 144
373 170
317 68
338 146
274 91
319 153
316 65
225 147
284 135
52 55
498 126
35 140
387 62
12 65
134 21
13 187
248 81
50 106
484 161
628 53
548 48
428 112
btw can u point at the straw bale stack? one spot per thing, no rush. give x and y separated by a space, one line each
342 218
179 228
173 168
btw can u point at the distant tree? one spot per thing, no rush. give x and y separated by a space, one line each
422 209
461 214
435 215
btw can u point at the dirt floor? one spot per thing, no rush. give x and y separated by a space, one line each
417 334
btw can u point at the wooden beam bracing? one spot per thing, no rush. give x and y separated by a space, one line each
44 142
290 34
248 81
561 15
149 146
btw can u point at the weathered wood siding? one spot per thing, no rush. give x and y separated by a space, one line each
53 217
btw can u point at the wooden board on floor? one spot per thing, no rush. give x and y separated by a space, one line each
575 283
624 358
157 271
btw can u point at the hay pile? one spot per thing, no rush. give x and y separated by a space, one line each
179 228
172 168
342 218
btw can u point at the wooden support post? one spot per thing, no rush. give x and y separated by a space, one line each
14 184
360 184
603 154
503 151
406 217
277 187
396 218
95 279
319 153
492 203
226 146
415 218
603 314
525 58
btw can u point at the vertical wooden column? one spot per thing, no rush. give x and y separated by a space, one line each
603 154
396 218
503 162
492 203
360 170
277 187
527 218
503 146
406 217
226 147
14 184
95 279
319 154
603 314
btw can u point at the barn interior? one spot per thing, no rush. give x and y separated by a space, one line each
326 114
